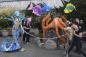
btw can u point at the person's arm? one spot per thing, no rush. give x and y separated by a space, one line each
25 27
78 35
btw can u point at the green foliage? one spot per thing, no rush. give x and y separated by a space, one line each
5 12
4 24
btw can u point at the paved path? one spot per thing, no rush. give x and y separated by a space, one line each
33 50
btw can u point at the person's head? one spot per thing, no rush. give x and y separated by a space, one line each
77 20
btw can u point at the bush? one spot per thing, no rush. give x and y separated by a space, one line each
6 11
5 23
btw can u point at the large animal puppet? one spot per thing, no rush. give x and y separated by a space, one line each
58 23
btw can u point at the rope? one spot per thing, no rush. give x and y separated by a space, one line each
36 36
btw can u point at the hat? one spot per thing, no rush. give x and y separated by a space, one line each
30 6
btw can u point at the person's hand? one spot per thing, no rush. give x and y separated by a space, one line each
27 28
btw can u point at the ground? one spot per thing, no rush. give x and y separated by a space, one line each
32 50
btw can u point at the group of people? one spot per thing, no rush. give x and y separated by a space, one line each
76 38
25 25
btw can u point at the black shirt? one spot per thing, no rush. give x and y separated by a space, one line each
24 24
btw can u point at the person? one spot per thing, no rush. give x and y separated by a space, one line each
76 42
26 25
15 29
13 44
16 33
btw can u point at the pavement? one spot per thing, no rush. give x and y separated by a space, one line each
32 50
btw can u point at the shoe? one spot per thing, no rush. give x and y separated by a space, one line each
41 44
67 55
27 43
22 49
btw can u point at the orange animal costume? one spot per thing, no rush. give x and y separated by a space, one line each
57 23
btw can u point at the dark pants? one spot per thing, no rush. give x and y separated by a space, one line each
77 43
26 36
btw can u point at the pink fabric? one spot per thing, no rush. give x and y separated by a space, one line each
28 21
31 6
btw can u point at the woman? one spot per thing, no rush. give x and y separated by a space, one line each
12 44
26 26
16 29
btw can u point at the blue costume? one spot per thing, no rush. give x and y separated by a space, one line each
11 44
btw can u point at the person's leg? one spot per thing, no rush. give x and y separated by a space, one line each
27 38
41 36
79 48
78 45
17 34
82 52
24 37
71 46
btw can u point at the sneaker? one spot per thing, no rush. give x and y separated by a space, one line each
41 44
27 43
67 55
22 49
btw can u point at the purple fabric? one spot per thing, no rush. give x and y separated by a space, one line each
37 10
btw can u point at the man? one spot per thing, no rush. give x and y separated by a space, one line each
76 42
